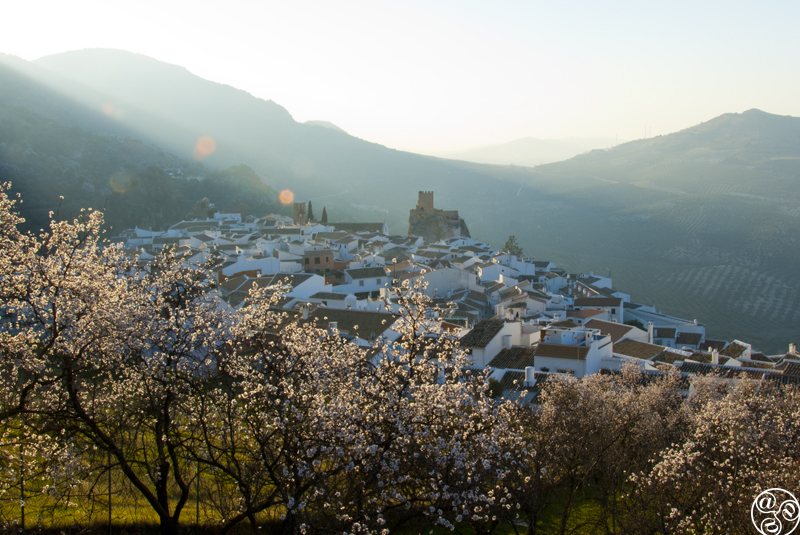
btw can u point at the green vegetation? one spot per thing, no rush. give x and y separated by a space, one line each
495 388
512 247
636 323
137 184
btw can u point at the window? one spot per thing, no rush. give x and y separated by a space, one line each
307 262
377 281
613 310
361 282
316 260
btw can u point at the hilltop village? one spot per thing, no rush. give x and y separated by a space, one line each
524 318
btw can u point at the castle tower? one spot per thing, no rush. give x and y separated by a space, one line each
425 201
299 217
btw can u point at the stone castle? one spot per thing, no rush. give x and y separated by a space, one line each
299 216
434 224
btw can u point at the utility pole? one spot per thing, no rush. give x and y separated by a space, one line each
109 491
22 486
197 501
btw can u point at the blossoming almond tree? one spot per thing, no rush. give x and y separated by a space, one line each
60 297
349 440
743 438
424 433
97 352
139 363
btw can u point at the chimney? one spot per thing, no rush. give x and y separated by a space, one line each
714 356
792 348
304 308
649 332
334 325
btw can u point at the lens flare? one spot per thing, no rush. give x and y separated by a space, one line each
286 196
205 146
120 182
111 111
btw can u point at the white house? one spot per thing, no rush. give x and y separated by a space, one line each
303 285
612 305
443 282
485 340
575 351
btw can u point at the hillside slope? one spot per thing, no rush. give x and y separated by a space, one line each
529 151
702 222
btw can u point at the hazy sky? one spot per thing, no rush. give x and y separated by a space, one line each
436 75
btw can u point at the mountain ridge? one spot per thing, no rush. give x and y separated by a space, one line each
527 151
702 222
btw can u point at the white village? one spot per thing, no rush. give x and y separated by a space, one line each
524 318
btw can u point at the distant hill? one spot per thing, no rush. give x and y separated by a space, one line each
121 93
703 222
326 124
138 184
529 151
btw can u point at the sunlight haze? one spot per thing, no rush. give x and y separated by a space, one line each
447 76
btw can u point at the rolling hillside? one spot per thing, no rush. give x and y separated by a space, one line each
702 222
529 151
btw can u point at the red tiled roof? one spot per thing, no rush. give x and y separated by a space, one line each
562 351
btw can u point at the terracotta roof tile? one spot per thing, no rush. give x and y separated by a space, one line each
514 358
598 302
370 324
513 380
727 372
328 295
366 273
636 349
669 357
689 339
719 345
608 328
733 350
483 333
664 332
292 279
792 368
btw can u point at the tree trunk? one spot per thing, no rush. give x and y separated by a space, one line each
289 525
169 526
532 521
